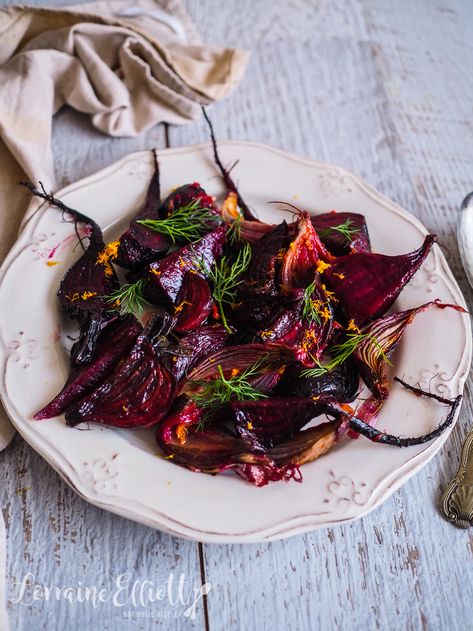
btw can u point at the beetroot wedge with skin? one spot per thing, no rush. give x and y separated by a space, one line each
329 227
268 422
384 334
115 340
307 339
139 245
301 261
261 278
138 393
341 384
83 290
368 284
165 277
184 196
195 347
193 303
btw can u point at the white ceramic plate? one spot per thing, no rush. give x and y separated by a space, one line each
121 470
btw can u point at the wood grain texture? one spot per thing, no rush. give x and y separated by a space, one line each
384 92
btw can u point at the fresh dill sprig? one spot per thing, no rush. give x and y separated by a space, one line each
309 305
344 228
226 277
341 352
234 231
221 390
187 223
129 298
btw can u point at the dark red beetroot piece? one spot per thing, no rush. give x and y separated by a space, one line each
165 277
341 384
114 341
139 245
307 339
336 241
267 422
368 284
261 277
193 303
185 195
138 393
82 293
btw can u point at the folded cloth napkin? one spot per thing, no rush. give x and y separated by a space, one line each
111 59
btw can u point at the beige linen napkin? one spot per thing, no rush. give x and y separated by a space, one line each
128 73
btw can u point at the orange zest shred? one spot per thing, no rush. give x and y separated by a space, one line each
181 306
155 271
352 327
181 433
52 263
330 294
321 266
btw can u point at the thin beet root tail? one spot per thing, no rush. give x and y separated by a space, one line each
229 183
78 216
378 436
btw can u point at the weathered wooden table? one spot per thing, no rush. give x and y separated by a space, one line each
381 88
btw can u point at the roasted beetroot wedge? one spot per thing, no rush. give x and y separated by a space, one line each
83 290
271 421
138 393
342 383
308 337
165 277
342 232
382 337
114 341
193 303
306 255
139 245
187 195
368 284
261 277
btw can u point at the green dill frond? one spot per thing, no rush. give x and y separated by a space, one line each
187 223
344 228
221 390
339 353
310 307
226 277
129 298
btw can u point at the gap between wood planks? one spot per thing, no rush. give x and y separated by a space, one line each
200 545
